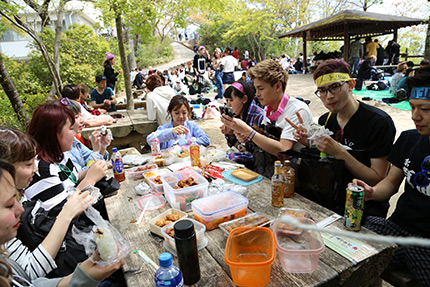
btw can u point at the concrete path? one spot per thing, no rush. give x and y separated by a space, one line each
182 55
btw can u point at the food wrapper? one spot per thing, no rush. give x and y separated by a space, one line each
104 132
143 189
219 185
315 132
104 237
94 192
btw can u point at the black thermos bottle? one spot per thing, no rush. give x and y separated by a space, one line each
186 247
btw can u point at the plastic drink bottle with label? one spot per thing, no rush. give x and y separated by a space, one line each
117 165
289 179
194 152
168 274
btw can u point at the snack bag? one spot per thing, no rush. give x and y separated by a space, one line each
104 237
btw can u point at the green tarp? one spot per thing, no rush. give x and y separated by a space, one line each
379 95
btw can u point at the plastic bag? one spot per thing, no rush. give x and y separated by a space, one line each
143 189
107 133
219 185
104 237
315 132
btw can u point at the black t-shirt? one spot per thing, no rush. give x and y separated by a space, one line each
370 134
199 63
413 207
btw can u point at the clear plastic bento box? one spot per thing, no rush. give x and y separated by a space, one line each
218 208
182 197
138 171
153 178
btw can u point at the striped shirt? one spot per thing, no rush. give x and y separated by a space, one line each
50 183
36 264
254 116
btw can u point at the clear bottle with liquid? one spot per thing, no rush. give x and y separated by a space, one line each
278 186
289 178
168 274
323 157
117 165
195 152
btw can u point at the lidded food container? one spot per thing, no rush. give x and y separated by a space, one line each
181 195
218 208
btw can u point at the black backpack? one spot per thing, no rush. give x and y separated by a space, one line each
34 229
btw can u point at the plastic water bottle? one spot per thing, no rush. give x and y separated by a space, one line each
117 165
168 274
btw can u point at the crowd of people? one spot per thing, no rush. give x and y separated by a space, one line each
46 167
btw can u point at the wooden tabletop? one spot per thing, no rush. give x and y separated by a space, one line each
130 130
333 269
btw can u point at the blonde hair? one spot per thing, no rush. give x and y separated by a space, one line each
269 71
402 67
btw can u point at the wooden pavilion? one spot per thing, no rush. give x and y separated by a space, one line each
350 23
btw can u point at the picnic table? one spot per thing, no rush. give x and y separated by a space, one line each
130 130
333 269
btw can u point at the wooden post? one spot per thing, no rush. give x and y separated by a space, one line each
345 43
304 53
406 54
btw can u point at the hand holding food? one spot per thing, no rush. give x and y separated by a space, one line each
180 130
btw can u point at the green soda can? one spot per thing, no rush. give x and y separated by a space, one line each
354 206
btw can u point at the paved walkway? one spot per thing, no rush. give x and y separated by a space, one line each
182 55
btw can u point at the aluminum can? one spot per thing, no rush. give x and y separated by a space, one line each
155 147
354 206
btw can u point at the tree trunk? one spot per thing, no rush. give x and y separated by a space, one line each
427 47
57 44
124 62
12 94
131 58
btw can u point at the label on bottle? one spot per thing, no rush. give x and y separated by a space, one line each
118 168
278 193
195 155
155 147
177 281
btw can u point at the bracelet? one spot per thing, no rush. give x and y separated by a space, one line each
251 136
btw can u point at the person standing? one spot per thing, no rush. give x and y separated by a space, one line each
228 64
235 53
371 47
380 54
201 60
109 72
356 54
216 64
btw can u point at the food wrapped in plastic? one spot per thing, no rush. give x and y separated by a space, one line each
111 246
315 131
219 185
94 192
143 189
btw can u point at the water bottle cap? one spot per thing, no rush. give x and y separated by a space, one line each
184 228
165 259
114 149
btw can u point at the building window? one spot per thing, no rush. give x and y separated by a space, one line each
10 36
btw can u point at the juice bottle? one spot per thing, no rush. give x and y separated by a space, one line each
277 186
194 152
117 165
289 179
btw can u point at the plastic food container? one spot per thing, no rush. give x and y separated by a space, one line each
138 171
250 220
198 228
294 212
157 229
181 198
218 208
299 252
250 252
151 175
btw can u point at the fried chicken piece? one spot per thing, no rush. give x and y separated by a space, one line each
172 217
161 222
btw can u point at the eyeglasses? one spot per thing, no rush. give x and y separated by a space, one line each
333 89
65 101
68 172
338 136
421 179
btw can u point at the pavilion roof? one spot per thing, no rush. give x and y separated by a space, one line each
356 23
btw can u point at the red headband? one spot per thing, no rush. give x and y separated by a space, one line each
238 86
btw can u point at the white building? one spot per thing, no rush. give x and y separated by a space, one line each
16 45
